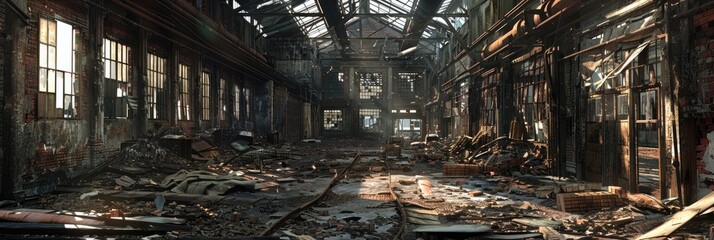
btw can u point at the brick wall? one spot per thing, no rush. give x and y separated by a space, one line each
72 12
704 101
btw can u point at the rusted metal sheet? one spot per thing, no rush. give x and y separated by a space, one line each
34 217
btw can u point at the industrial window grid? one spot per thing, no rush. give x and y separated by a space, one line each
645 71
248 102
58 83
332 120
488 106
530 90
369 120
408 85
370 85
157 94
116 79
205 96
236 102
184 102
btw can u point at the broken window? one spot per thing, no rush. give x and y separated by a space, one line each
58 83
530 94
248 102
332 120
646 69
116 79
236 102
369 119
408 125
407 85
623 107
184 101
205 96
488 108
223 102
157 94
594 109
647 105
370 85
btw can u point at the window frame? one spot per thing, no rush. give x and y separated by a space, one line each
184 102
205 88
117 72
338 120
46 102
156 76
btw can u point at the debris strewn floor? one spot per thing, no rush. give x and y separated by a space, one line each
338 189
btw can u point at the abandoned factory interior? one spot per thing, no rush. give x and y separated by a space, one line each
357 119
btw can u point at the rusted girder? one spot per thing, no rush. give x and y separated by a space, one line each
423 14
330 9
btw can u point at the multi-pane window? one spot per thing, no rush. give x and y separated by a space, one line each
205 96
407 85
236 102
222 98
530 90
488 107
157 94
369 120
623 106
58 83
116 79
406 124
246 95
332 119
184 101
370 85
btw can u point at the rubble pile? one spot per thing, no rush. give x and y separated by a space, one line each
498 189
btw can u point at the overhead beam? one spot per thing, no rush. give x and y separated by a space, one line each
367 38
399 15
459 37
423 14
330 10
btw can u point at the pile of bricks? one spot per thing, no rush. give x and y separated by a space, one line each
580 187
460 169
587 201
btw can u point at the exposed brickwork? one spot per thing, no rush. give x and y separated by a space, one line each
587 201
62 146
704 51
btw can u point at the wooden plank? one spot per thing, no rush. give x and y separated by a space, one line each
680 218
537 222
550 234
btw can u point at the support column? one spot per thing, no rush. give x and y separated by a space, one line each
270 85
388 121
14 101
215 96
197 70
95 82
505 101
142 118
348 116
172 104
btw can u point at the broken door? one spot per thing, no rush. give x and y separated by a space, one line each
648 152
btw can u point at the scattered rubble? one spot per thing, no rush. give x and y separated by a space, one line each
251 189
